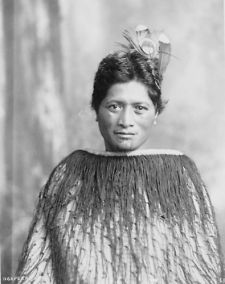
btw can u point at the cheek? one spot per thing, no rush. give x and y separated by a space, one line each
145 123
106 121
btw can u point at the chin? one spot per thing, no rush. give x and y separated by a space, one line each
123 148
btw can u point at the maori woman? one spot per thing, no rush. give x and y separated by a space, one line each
128 214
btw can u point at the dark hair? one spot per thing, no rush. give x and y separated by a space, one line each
122 67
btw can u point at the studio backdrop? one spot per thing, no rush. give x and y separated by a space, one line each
49 53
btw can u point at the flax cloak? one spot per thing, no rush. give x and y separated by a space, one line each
143 217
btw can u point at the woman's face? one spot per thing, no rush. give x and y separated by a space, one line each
125 116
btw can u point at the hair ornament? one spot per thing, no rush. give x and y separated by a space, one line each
150 44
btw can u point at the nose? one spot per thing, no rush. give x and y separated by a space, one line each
126 118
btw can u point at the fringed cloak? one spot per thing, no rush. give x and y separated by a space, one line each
123 218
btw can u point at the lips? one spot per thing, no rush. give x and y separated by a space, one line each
125 135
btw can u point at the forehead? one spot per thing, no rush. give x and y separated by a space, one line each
132 91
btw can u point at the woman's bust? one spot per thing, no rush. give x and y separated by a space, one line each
128 214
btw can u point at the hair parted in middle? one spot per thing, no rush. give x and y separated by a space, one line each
142 61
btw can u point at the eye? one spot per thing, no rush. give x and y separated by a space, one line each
140 108
113 107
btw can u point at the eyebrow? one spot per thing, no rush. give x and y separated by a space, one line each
122 102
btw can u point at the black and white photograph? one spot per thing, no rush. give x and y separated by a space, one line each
112 141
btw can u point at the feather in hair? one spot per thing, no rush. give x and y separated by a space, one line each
150 45
164 53
147 45
132 41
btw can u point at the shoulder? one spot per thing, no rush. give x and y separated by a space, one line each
67 161
60 171
62 178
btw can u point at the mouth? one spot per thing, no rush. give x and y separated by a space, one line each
124 135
